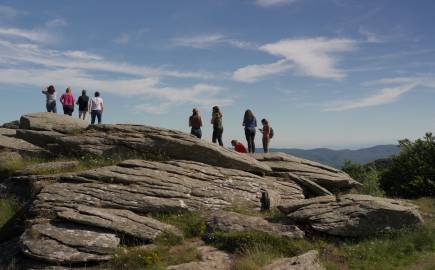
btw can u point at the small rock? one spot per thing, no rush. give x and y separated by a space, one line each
52 122
306 261
12 125
211 259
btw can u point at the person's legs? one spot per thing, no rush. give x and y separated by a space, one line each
48 107
99 116
252 135
265 145
248 140
215 135
65 109
80 114
196 132
54 107
221 132
93 115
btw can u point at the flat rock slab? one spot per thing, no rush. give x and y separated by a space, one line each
20 146
66 244
123 221
49 167
352 215
52 122
133 141
8 132
325 176
146 186
234 222
307 261
211 259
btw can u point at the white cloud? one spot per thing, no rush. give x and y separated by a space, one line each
7 12
82 55
209 40
31 35
269 3
253 73
314 57
385 95
59 22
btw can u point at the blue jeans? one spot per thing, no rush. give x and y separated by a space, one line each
51 106
197 132
250 138
96 114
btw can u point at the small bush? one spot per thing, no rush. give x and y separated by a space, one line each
367 175
8 208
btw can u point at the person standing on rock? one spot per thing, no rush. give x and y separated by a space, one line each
96 106
67 100
218 129
83 102
266 130
195 122
50 94
250 124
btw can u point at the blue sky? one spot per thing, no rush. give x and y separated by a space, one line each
326 73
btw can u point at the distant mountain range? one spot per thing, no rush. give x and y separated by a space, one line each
337 158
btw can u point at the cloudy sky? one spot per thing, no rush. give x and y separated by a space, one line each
326 73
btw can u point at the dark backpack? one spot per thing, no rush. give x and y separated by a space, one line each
271 133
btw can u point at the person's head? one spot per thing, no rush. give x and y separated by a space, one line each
195 111
97 94
51 89
248 115
68 90
83 92
264 122
234 142
216 109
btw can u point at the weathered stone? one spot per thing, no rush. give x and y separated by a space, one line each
8 132
45 139
211 259
222 221
49 167
52 122
12 125
117 220
132 141
353 215
325 176
64 244
307 261
20 146
306 183
146 186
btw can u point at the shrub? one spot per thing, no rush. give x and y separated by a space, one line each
367 175
412 173
8 208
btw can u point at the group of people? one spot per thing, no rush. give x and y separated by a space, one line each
249 123
94 105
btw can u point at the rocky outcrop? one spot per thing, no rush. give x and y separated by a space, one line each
223 221
7 132
352 215
307 261
325 176
140 141
211 259
9 144
60 243
11 125
52 122
147 186
121 221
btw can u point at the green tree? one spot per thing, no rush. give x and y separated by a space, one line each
367 175
412 172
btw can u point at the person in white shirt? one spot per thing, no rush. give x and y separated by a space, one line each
96 107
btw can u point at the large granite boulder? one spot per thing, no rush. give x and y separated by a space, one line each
148 186
325 176
352 215
222 221
52 122
307 261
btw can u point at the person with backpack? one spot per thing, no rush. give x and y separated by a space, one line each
83 102
250 124
50 94
67 100
267 134
218 129
96 106
238 147
195 122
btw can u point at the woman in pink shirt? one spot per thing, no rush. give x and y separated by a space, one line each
67 100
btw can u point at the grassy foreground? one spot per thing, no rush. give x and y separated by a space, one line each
8 208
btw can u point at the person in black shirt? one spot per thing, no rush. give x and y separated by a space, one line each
83 102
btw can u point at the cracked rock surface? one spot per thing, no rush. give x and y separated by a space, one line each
307 261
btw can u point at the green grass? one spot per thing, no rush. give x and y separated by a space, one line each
8 208
192 224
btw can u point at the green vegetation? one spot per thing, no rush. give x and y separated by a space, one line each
367 175
192 224
412 173
8 208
